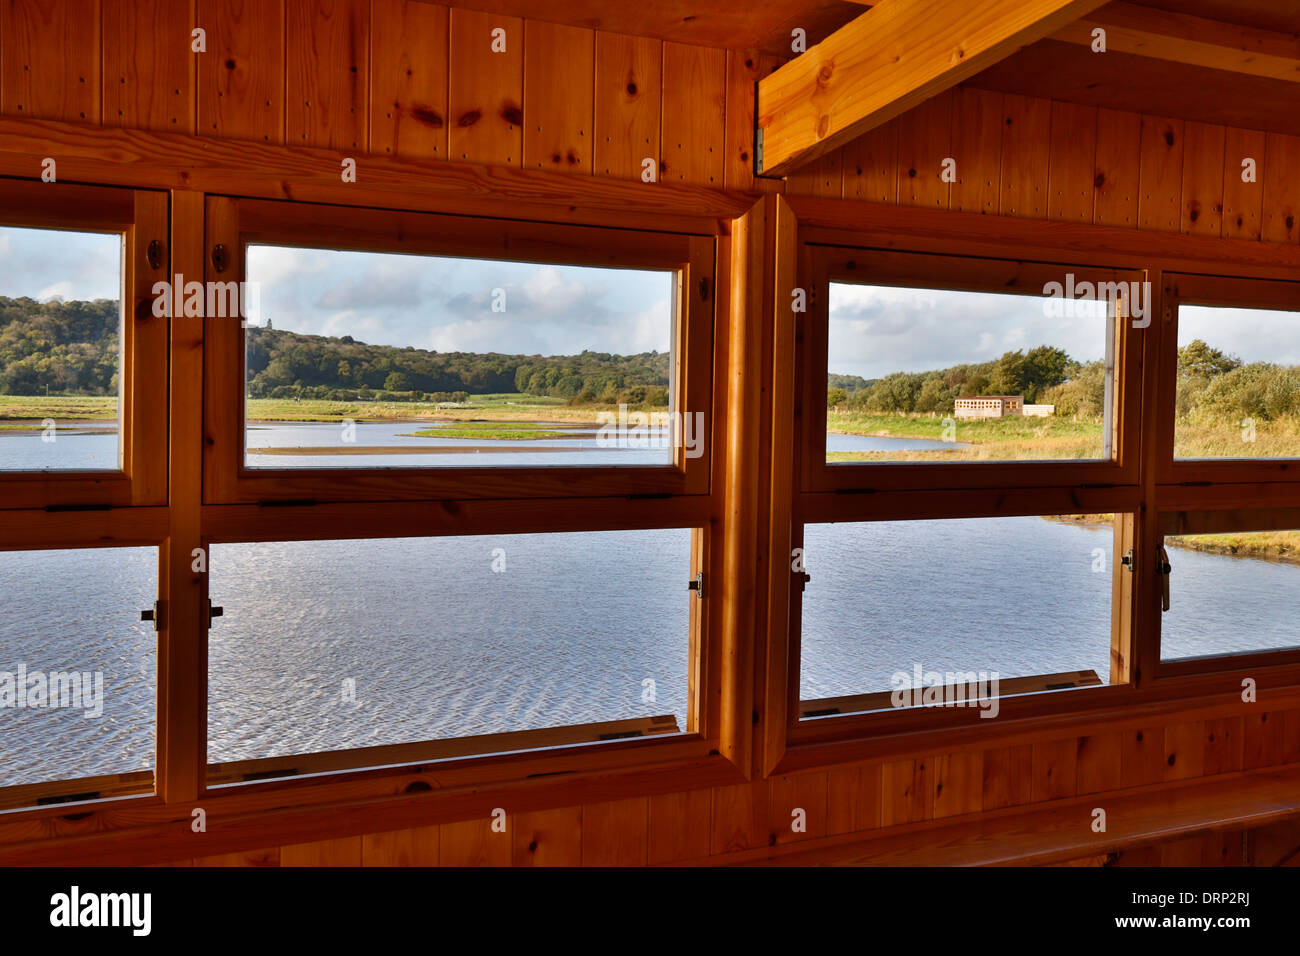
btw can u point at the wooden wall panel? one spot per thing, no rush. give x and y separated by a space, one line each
906 791
958 784
853 799
744 69
628 90
741 818
1243 202
1072 162
681 826
1026 150
50 59
1008 777
1055 769
149 65
1161 175
793 798
1116 180
474 843
977 149
616 833
1281 179
1202 203
345 851
1099 763
418 847
1224 745
267 856
694 120
559 78
486 89
326 94
1184 750
871 165
408 79
547 838
924 142
1142 759
1263 740
241 77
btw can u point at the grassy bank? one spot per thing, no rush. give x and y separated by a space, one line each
991 438
1269 545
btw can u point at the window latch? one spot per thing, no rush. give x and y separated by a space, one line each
153 614
1165 568
697 585
1128 561
804 578
214 612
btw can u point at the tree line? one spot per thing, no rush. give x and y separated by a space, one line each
66 348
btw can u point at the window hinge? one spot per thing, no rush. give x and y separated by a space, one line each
154 614
697 585
758 149
1164 568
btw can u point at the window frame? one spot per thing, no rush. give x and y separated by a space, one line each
1226 292
141 218
823 264
234 223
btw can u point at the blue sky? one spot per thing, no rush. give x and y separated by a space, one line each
43 264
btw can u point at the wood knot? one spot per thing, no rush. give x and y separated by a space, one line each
469 119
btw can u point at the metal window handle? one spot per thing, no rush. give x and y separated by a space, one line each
1165 568
214 612
803 577
697 585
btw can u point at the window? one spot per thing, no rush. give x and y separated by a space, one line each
972 607
415 648
81 423
961 365
77 674
430 356
1235 376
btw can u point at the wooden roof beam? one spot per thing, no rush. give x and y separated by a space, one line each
1181 38
896 55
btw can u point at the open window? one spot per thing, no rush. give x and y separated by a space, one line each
937 371
83 354
1230 380
366 355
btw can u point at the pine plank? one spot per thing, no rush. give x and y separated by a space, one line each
1264 744
694 120
924 142
547 838
1072 163
1280 174
325 80
871 165
486 89
977 149
149 66
741 817
853 799
628 92
906 791
268 856
1161 175
791 792
241 78
345 851
1008 776
559 81
1224 745
1184 750
474 843
1142 759
415 847
1056 768
680 826
408 79
1203 172
51 59
1099 763
744 68
616 833
1026 152
958 784
1243 202
1116 182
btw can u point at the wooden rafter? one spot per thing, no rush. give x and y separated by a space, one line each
896 55
1181 38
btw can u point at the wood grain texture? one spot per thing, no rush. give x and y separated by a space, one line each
486 89
741 818
149 65
559 76
1055 769
871 165
1116 180
616 833
924 142
694 115
1243 202
408 78
1026 152
474 843
628 93
853 799
326 71
1072 164
1099 763
1008 777
241 78
1224 745
417 847
547 838
50 59
345 851
977 149
797 800
958 784
1142 759
906 791
1161 174
680 827
1203 176
1281 178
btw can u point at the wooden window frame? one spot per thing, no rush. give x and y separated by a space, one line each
235 223
1226 292
141 218
823 264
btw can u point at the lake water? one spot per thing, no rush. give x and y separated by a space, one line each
447 637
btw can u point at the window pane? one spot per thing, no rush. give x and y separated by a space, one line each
373 360
60 350
1231 593
931 375
77 665
334 645
1238 383
1013 598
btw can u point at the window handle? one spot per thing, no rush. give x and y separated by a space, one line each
697 585
1165 568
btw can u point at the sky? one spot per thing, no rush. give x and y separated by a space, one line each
427 302
446 305
875 330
